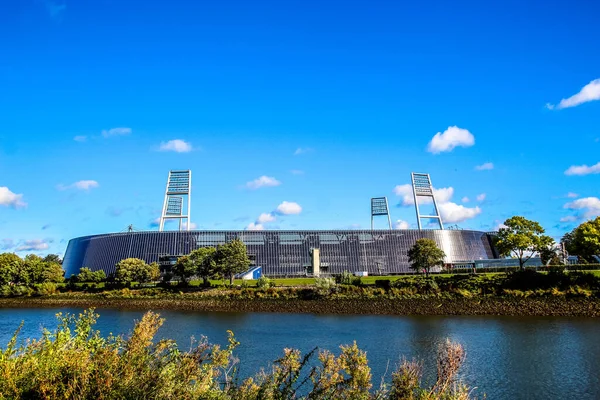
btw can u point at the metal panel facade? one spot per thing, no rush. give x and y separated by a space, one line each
281 252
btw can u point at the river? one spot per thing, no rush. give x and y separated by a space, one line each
507 357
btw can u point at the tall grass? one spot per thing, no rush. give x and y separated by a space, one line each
75 362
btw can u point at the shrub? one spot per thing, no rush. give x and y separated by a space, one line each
46 288
325 283
263 282
345 278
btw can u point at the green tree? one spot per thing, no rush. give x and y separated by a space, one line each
33 269
10 264
53 272
135 270
87 275
584 241
53 258
547 251
232 258
205 263
184 269
521 238
424 255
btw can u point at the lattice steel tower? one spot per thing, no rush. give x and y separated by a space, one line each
179 188
379 206
422 187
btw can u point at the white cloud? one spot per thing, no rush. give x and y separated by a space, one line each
405 191
569 218
485 166
176 145
265 218
572 195
193 225
255 227
481 197
449 139
583 169
33 245
80 138
116 132
155 222
79 185
450 212
453 213
10 199
465 200
289 208
589 92
263 181
400 224
589 205
297 172
303 150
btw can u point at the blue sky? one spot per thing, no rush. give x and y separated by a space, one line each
332 103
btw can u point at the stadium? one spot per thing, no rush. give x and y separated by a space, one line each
279 252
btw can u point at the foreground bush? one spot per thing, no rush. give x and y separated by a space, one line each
75 362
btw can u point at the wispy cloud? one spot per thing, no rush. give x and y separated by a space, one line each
303 150
572 195
481 197
34 245
79 185
176 145
55 9
80 138
297 172
116 132
400 224
589 92
583 169
450 139
10 199
263 181
485 166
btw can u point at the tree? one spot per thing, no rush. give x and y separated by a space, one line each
204 262
521 238
53 272
10 264
53 258
184 269
424 255
33 270
87 275
135 270
232 258
584 241
547 252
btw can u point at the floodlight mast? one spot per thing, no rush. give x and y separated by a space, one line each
379 206
179 186
422 187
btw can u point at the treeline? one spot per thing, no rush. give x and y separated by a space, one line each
20 276
75 362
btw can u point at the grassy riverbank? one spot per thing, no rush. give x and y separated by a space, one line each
510 305
525 293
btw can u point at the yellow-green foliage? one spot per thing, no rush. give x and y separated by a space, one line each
75 362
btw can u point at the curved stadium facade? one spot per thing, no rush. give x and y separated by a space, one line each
281 253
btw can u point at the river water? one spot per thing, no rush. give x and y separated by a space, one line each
507 357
